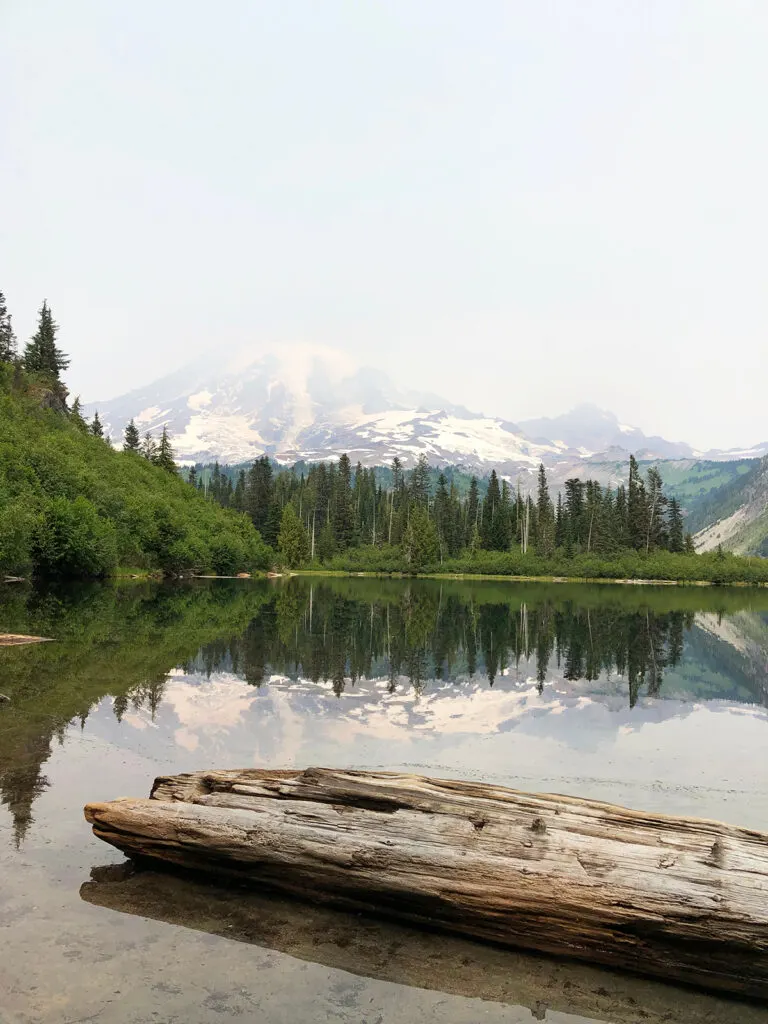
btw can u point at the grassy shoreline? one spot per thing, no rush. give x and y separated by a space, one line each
508 577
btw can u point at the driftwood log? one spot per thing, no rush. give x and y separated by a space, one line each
677 898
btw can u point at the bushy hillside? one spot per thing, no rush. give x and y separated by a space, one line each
72 506
736 515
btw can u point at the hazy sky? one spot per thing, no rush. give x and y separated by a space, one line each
518 205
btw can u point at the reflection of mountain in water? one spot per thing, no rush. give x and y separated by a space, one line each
406 656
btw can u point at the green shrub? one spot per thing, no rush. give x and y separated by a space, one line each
72 539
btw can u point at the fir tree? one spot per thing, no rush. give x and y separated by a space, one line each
238 497
636 507
76 412
292 541
545 517
164 457
96 428
343 520
42 355
7 337
192 477
149 447
258 493
420 543
132 440
654 514
676 531
473 512
420 482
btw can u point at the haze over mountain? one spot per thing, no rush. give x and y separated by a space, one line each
305 402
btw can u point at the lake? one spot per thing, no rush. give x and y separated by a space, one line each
651 697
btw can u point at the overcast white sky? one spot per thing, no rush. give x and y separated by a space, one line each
518 205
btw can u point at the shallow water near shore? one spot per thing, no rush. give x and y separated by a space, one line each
656 698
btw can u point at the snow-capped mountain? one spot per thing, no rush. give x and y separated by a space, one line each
313 403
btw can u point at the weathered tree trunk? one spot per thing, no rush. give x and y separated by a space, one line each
678 898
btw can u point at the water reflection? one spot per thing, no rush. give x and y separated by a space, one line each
408 657
413 957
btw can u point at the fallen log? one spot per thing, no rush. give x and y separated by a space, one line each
677 898
12 639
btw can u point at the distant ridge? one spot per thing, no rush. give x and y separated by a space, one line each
312 403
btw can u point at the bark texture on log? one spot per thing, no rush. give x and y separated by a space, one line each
677 898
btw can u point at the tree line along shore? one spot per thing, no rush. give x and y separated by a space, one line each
73 506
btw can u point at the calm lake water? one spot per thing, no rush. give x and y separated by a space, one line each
656 698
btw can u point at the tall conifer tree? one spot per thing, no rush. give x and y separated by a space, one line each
132 440
42 355
164 458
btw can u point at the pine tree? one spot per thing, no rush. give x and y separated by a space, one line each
343 520
655 503
42 355
420 543
238 496
292 541
96 428
637 512
471 524
164 457
132 441
192 477
7 337
676 531
420 482
545 517
258 493
76 412
149 447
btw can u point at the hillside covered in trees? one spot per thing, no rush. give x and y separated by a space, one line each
72 506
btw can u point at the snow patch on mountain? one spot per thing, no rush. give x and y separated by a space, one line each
311 402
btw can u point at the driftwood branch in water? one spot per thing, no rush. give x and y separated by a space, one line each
677 898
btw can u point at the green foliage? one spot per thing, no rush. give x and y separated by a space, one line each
70 505
72 539
42 355
420 543
292 542
132 440
164 457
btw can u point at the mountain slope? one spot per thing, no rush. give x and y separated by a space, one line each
314 403
737 515
590 427
309 403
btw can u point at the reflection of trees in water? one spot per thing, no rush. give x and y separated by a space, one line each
323 634
121 643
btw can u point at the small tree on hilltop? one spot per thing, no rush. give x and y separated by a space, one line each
7 337
292 542
164 458
42 355
96 427
131 439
